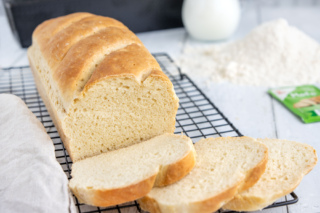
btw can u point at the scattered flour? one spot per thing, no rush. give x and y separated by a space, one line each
273 54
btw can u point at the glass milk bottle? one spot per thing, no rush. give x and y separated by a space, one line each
210 19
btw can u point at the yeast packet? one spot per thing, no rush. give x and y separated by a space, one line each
303 101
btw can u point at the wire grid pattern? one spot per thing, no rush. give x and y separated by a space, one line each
197 118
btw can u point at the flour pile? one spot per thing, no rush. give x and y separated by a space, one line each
273 54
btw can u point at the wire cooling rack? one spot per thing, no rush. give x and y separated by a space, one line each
197 117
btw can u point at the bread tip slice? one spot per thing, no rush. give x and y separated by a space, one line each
288 163
130 173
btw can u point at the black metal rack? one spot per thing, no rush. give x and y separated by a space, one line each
197 117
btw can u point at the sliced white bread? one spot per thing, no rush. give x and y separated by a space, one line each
129 173
224 166
288 162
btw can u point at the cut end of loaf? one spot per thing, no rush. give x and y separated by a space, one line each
119 112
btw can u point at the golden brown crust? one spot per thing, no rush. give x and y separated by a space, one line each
214 203
209 205
149 204
138 63
254 175
174 172
252 203
52 111
61 42
159 73
45 31
104 198
86 54
243 203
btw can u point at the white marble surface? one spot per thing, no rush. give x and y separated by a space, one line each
249 108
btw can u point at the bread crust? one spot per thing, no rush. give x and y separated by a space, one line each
205 206
149 204
254 175
136 58
253 203
45 31
51 110
214 203
168 175
104 198
59 44
172 173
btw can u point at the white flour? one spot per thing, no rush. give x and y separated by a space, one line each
273 54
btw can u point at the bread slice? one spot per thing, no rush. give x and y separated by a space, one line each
224 166
129 173
288 162
102 87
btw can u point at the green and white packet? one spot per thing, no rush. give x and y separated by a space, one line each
303 101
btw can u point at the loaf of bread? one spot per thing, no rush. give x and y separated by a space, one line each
224 167
129 173
101 86
288 163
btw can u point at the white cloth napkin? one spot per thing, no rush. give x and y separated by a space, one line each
31 180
